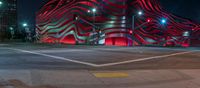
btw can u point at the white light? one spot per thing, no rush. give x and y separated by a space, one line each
163 21
77 18
11 28
1 2
186 34
94 10
140 13
123 21
124 17
25 24
88 11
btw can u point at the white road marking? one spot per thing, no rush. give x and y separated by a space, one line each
56 57
148 48
104 65
60 51
175 49
143 59
141 49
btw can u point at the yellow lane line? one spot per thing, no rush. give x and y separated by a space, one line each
111 75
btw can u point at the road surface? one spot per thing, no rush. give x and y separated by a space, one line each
98 66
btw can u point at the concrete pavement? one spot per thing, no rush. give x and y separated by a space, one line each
87 79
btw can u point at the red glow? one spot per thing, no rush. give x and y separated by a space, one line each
56 20
131 32
69 40
148 20
117 41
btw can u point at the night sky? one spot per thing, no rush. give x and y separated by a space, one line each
27 10
184 8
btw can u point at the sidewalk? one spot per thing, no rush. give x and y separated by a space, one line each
87 79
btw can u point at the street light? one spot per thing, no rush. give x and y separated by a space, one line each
12 32
11 28
24 24
27 32
94 10
140 13
163 21
1 2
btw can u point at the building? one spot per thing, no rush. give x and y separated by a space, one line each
113 22
8 19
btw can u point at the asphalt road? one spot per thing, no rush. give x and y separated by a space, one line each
25 65
42 56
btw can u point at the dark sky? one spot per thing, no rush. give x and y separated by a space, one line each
27 10
185 8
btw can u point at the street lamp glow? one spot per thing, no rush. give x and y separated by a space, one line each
25 25
94 10
1 2
140 13
163 21
11 28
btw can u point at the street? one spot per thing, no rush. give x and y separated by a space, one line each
84 66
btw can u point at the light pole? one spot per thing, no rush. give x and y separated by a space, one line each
12 32
139 13
133 19
93 11
27 31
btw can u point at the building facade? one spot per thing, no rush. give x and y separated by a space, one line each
8 19
113 22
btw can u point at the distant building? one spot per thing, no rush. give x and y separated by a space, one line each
8 19
114 22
